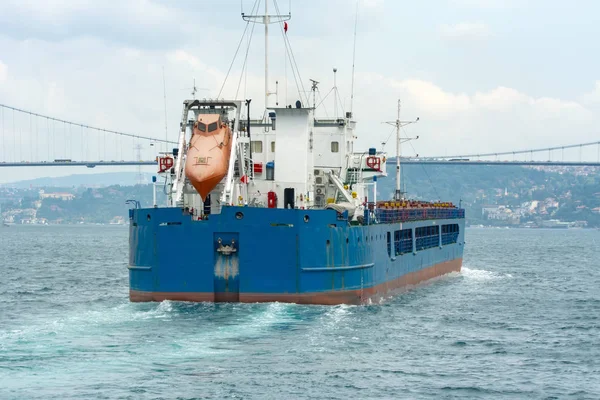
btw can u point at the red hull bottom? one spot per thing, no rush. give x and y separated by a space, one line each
325 298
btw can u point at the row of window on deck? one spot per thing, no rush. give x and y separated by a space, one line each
426 237
257 146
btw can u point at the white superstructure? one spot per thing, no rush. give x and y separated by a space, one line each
293 161
288 159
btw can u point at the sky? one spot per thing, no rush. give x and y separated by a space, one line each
481 75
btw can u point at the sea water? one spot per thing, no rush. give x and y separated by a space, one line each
522 320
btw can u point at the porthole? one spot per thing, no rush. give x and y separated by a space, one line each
148 217
239 215
327 242
347 240
306 218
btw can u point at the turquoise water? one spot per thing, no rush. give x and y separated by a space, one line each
521 321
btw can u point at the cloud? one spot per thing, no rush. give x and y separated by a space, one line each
486 4
465 31
432 98
593 98
101 63
136 23
372 3
457 122
435 101
3 72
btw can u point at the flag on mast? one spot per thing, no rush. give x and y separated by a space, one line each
285 26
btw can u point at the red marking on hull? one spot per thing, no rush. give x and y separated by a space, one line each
325 298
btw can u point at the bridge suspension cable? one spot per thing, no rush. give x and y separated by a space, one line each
504 153
31 113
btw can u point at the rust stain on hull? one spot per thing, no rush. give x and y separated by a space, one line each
325 298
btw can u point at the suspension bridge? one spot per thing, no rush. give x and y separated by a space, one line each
30 139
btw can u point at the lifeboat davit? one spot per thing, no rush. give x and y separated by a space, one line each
208 154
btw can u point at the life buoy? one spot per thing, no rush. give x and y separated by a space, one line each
374 162
165 164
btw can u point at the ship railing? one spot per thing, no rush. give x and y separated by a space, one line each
386 216
403 246
449 238
427 242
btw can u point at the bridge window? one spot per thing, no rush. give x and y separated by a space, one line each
389 244
335 147
403 241
256 146
427 237
272 147
449 234
212 127
201 126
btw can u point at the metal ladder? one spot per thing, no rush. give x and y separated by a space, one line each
248 164
352 176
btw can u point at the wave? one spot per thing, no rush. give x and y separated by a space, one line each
482 275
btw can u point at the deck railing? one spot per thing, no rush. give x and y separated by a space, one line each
449 238
427 242
386 216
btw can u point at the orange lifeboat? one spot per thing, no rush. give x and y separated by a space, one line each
208 154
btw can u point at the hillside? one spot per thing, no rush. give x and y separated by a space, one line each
87 180
510 194
491 195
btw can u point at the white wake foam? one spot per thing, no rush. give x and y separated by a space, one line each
482 275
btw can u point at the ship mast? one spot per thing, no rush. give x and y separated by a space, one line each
398 194
267 19
266 22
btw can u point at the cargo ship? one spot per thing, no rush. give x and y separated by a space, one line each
283 209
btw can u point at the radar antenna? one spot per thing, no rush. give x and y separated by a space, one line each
195 89
314 90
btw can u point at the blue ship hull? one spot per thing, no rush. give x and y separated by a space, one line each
247 254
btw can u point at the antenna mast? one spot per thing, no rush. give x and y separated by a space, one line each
314 90
353 60
195 89
335 93
267 19
398 194
165 96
